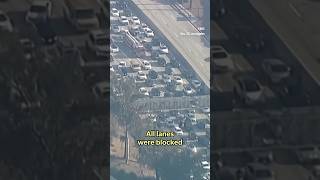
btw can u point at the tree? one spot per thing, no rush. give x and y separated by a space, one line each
43 128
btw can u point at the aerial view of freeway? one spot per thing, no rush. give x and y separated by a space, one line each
160 102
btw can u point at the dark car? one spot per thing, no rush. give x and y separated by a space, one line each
155 92
152 75
249 38
124 71
46 33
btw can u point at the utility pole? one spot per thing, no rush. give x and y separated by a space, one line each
127 146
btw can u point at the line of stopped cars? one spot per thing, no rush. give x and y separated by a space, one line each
249 89
144 57
156 70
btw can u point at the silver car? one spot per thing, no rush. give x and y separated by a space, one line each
276 70
249 90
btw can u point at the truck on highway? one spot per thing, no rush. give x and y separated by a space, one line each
132 41
135 44
82 14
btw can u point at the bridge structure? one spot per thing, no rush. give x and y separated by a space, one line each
151 104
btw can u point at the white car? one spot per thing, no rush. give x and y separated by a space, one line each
276 70
142 75
98 42
111 69
5 22
178 130
146 65
144 27
115 12
163 49
188 90
122 64
178 80
222 60
308 154
196 83
39 10
206 110
114 48
143 91
149 32
205 165
136 20
124 20
249 90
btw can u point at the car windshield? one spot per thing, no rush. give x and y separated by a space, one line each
263 174
102 41
279 68
251 85
85 13
38 9
3 17
219 55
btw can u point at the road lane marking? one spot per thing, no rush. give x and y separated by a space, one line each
295 10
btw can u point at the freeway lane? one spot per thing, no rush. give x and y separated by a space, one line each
191 47
296 23
242 13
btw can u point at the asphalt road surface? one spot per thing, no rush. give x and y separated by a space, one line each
240 12
191 47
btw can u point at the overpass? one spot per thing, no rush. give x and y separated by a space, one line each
150 104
